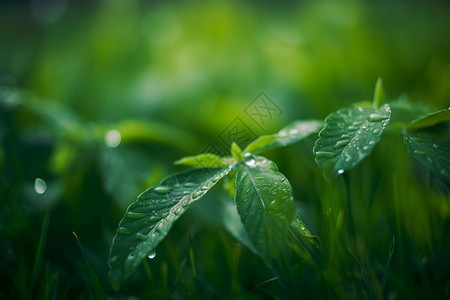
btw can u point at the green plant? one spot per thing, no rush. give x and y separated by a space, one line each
263 195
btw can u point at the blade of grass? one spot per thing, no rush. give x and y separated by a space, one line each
366 280
254 290
388 264
99 293
38 259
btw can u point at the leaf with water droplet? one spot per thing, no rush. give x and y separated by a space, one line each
348 136
431 150
149 219
205 160
265 212
298 229
290 134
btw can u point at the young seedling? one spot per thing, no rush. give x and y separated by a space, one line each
263 198
263 195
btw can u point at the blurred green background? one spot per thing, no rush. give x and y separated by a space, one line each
167 78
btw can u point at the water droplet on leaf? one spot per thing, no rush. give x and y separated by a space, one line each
376 131
341 143
419 152
340 171
249 159
141 236
325 154
123 230
152 255
435 146
134 215
40 186
162 190
377 117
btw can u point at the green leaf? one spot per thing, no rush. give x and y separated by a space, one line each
232 222
431 150
430 120
236 151
404 111
349 135
299 229
378 95
149 219
290 134
264 202
206 160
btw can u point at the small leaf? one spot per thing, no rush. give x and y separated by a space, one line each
149 219
264 202
378 95
205 160
430 120
290 134
236 151
349 135
431 150
404 111
299 229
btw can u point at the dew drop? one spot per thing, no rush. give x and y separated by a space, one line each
419 152
185 204
205 188
134 215
325 154
164 214
112 138
197 195
141 236
372 142
348 157
152 255
346 136
40 186
377 117
162 190
435 146
249 159
340 171
429 160
114 259
342 143
302 226
274 205
123 230
365 148
177 211
283 133
234 167
376 131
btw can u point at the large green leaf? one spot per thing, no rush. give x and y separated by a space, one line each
149 219
264 202
430 120
290 134
349 135
431 150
